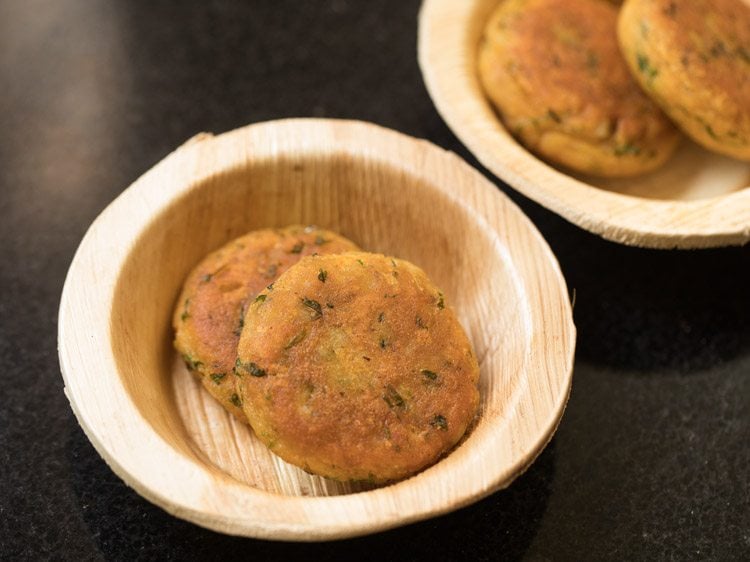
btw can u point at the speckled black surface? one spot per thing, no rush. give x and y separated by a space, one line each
652 458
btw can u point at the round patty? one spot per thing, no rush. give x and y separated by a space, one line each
354 367
554 71
208 318
693 58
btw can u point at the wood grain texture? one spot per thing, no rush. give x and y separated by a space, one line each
163 434
698 199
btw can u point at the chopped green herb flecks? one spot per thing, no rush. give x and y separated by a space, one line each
322 275
250 367
644 27
393 398
271 272
430 375
441 301
381 317
365 358
592 62
261 298
297 248
627 149
207 277
439 422
185 314
255 370
718 49
329 305
296 339
554 116
419 322
217 377
644 65
191 363
319 240
236 400
711 132
314 306
383 343
270 287
360 262
393 262
308 388
387 296
241 323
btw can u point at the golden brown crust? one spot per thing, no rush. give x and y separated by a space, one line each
208 316
693 58
554 71
354 367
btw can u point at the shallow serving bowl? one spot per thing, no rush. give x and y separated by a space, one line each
161 432
698 199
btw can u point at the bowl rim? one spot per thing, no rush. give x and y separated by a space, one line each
153 467
448 40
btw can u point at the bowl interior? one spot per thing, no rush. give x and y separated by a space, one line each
383 209
166 437
696 199
692 174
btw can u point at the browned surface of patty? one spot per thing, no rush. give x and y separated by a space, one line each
554 71
209 313
693 58
354 367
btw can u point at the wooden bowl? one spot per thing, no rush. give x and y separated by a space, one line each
167 438
698 199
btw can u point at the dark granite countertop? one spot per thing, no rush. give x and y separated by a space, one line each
652 458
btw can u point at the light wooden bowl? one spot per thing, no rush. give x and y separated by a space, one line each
698 199
167 438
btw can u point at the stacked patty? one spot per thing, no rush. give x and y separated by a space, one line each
693 59
362 347
554 71
348 364
210 312
558 78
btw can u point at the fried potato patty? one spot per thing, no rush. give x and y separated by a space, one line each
693 58
554 71
353 366
209 314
